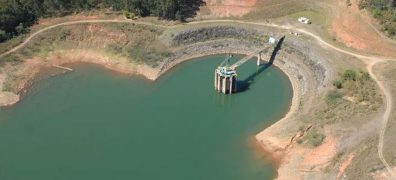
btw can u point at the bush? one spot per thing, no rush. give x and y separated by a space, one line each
376 12
364 76
348 3
129 15
390 28
315 138
349 75
337 83
3 36
333 97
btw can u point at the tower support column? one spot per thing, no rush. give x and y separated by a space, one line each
259 59
224 82
231 84
215 81
218 82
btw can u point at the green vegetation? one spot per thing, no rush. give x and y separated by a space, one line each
10 43
129 15
358 86
137 43
142 48
333 97
337 83
354 93
43 44
349 75
352 98
314 138
10 59
314 16
17 15
384 11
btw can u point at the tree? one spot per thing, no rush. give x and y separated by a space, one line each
337 83
17 15
14 16
20 29
3 35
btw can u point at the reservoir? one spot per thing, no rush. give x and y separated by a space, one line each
94 124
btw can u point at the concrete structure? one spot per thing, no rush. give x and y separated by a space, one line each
225 80
259 59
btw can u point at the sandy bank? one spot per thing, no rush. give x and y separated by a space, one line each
25 72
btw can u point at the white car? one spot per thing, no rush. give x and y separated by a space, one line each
304 20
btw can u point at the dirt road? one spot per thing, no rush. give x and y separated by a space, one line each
385 118
369 60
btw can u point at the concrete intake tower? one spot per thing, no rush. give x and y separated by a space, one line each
225 79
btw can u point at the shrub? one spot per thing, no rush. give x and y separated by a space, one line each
300 141
337 83
349 75
390 28
315 138
348 3
3 35
129 15
364 76
376 13
333 97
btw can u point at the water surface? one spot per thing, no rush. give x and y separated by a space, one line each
99 125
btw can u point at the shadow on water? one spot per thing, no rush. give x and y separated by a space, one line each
243 85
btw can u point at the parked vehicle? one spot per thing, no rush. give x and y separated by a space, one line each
304 20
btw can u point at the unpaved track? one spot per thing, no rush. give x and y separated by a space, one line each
385 117
369 60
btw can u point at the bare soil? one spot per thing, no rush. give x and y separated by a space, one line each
227 8
353 28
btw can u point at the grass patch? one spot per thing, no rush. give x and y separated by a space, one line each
143 45
314 138
10 59
315 17
275 9
43 44
354 94
333 97
9 44
138 43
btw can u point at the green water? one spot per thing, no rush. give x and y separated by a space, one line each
93 124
